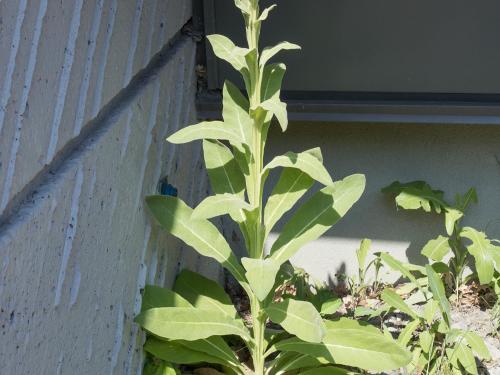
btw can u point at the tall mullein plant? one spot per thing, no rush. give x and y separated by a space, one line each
187 322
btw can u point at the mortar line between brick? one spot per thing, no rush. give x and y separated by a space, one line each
23 202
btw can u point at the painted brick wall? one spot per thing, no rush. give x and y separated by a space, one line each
89 90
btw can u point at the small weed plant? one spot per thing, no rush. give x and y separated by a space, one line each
192 323
437 347
360 285
460 243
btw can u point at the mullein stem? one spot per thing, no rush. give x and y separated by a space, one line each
255 181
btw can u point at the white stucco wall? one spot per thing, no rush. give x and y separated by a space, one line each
452 158
80 146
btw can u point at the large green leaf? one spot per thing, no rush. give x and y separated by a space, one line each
480 249
261 275
300 318
393 299
158 368
222 204
236 127
291 186
466 358
289 361
345 323
182 323
438 293
350 343
214 346
437 248
278 108
223 171
328 370
171 351
204 293
271 80
269 52
250 73
160 297
317 215
176 218
154 296
206 130
477 344
225 49
306 161
235 113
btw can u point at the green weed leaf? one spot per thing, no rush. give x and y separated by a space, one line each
406 333
362 253
430 309
289 361
155 296
306 161
481 249
204 293
265 12
206 130
299 318
477 344
160 368
271 81
176 218
277 108
437 288
222 204
214 346
393 299
225 49
328 370
426 341
269 52
349 343
331 306
466 358
261 275
235 113
171 351
180 323
437 248
223 171
291 186
317 215
396 265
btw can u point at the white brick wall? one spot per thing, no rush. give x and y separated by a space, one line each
64 60
76 251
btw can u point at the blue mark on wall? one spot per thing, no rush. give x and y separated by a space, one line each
164 188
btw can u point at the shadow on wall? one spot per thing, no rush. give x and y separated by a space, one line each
451 158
